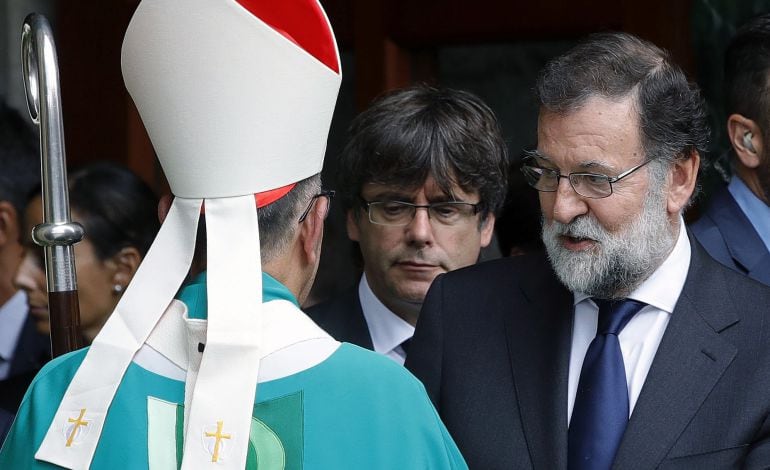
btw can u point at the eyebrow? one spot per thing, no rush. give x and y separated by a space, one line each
589 165
391 195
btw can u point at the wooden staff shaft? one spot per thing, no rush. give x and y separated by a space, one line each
65 322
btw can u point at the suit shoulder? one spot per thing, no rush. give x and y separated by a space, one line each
502 269
335 306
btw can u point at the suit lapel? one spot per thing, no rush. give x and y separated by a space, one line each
689 362
539 336
744 244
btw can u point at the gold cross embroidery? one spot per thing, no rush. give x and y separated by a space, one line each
218 436
79 421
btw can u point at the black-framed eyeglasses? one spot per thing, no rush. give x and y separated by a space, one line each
400 213
328 194
590 185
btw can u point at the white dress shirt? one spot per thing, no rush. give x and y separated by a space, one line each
640 338
12 316
387 329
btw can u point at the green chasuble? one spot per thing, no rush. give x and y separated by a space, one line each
355 410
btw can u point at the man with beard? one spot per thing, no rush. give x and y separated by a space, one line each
415 148
629 347
735 229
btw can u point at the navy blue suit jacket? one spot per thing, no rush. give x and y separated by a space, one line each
728 236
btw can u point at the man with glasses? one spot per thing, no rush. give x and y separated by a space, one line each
421 180
628 346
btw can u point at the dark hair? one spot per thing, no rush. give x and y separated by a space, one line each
407 135
615 65
115 206
19 159
747 62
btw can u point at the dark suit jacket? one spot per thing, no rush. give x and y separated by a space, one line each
728 236
343 318
492 347
32 351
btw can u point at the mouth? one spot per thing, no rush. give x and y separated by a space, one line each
416 266
39 312
577 243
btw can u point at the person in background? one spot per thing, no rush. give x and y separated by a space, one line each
421 179
735 229
119 214
23 350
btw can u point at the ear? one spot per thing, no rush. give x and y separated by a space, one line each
740 129
164 205
487 229
684 175
9 224
125 263
311 231
352 225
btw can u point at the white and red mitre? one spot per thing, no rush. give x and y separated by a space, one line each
237 97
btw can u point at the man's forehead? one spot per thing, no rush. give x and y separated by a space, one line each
601 133
430 188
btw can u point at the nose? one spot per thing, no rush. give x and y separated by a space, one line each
419 232
567 204
27 275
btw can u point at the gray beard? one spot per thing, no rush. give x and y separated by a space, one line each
618 263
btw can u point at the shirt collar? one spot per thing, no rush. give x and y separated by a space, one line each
387 329
752 207
195 297
12 316
662 289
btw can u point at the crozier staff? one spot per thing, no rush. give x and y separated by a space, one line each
57 233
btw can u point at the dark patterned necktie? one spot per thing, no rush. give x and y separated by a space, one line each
600 414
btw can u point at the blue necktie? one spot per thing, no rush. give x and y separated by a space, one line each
600 414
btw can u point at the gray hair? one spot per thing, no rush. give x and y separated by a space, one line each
279 221
671 111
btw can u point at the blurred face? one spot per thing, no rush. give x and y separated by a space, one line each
602 247
400 262
95 279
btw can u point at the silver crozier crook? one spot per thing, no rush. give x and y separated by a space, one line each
57 233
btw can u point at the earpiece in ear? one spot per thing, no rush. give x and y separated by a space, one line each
748 143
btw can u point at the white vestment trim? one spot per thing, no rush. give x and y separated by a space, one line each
93 386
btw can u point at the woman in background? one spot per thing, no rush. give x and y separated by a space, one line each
119 214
